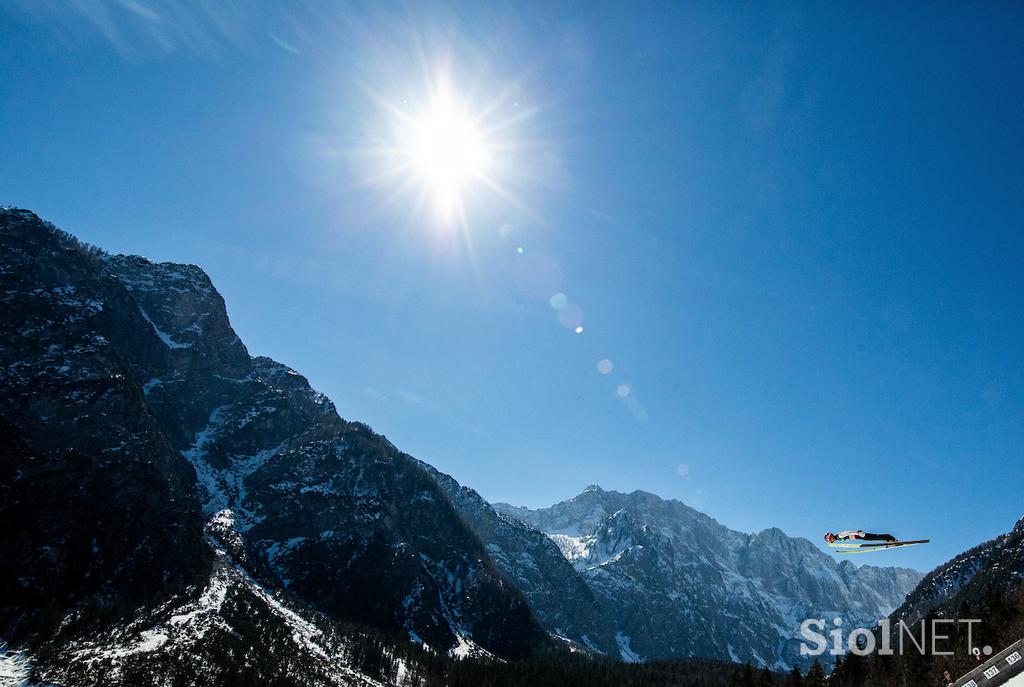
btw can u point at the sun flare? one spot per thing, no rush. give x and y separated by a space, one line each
455 155
447 153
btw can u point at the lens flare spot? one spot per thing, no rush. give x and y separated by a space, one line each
579 330
605 366
623 390
571 316
683 469
559 301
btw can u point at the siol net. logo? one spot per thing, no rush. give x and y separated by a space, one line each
863 641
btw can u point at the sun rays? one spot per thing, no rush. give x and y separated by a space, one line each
449 154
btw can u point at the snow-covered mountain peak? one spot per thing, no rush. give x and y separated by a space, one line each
658 567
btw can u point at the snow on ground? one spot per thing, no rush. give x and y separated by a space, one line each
589 643
225 488
401 673
15 667
1015 681
463 647
572 646
467 648
627 653
189 623
164 336
572 548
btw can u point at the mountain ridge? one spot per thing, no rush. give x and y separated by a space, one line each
993 568
505 507
619 542
138 418
123 372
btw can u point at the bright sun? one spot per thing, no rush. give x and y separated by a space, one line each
447 153
452 153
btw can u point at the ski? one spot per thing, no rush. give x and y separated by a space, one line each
895 543
872 550
866 545
882 546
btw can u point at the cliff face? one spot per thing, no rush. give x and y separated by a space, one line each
97 511
558 595
133 416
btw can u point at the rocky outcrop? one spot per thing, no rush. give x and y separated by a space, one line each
97 511
672 582
558 594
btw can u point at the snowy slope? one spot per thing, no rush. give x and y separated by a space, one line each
232 612
672 582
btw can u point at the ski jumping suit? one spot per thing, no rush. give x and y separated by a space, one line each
866 536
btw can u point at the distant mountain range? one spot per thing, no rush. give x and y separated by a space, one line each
671 581
174 509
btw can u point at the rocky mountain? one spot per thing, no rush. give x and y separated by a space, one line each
558 594
993 569
173 509
134 419
97 511
666 580
233 631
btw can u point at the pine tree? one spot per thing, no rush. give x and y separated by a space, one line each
746 677
853 672
815 676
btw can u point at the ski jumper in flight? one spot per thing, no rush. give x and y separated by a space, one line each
849 535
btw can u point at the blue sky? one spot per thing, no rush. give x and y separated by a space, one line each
795 232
